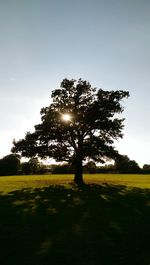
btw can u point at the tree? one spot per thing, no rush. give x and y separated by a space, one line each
90 167
81 123
146 169
33 166
25 168
9 165
123 164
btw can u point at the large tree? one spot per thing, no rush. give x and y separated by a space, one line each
81 123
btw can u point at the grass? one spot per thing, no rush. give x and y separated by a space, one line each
12 183
45 220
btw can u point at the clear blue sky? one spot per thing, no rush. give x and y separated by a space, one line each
105 42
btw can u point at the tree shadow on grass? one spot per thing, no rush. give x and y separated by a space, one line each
96 225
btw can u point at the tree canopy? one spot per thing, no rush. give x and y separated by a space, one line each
123 164
81 123
9 165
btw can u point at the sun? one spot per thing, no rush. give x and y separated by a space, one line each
66 117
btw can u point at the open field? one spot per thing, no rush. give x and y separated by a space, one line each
12 183
45 223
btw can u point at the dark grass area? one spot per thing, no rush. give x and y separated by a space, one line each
95 225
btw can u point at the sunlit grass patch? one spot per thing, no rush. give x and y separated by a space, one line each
12 183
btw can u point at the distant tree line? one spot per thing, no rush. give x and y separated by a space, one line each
12 165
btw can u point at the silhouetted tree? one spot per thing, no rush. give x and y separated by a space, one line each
146 169
123 164
31 167
90 167
25 168
9 165
87 130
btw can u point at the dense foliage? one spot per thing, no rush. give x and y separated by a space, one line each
9 165
88 134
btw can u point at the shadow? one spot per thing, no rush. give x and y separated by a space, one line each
93 225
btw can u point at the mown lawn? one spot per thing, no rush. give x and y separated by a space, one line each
45 220
12 183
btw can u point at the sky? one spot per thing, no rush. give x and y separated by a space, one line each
106 42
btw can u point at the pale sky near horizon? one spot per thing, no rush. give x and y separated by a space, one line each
106 42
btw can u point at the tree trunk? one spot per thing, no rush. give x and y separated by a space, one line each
78 179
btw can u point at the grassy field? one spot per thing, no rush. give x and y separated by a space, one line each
45 220
12 183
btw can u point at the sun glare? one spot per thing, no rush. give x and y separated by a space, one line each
66 117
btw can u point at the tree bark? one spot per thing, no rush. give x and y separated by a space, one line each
78 179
